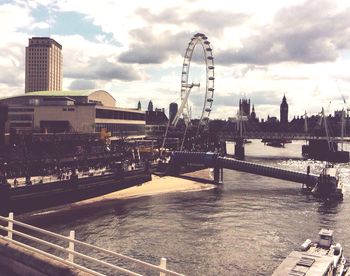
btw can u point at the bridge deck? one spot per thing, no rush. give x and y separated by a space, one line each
233 164
213 160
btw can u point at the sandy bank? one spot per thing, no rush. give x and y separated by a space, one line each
195 181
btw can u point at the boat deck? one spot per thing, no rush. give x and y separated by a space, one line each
305 264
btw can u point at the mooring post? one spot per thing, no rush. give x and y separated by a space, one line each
162 265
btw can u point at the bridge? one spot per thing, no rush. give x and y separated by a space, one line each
278 136
214 160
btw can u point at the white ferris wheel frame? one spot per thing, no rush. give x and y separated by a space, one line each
197 39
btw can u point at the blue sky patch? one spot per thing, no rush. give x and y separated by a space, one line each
69 23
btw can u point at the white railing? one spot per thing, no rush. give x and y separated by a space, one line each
71 252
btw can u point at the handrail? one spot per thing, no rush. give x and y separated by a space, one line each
63 249
70 250
85 269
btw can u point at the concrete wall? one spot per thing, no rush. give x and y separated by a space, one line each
81 118
15 260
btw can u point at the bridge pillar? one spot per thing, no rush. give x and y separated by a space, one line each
174 170
218 175
239 149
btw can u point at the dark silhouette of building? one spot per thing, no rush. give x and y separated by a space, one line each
284 111
150 106
156 122
139 105
253 114
172 111
3 119
244 107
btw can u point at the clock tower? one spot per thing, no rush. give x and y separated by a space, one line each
284 111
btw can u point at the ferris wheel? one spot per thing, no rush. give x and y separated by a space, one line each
201 40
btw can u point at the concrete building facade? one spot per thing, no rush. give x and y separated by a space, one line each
73 111
43 68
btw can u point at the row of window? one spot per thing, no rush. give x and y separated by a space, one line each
21 109
20 125
121 129
121 115
20 117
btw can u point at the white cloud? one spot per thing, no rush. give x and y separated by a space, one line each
13 17
154 35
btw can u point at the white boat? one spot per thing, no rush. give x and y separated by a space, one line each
319 258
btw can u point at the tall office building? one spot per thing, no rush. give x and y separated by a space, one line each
172 111
43 65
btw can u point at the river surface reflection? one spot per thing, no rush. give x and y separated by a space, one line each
247 226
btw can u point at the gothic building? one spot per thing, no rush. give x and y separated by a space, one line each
244 107
150 106
253 114
284 111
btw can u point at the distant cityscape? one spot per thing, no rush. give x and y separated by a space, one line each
45 108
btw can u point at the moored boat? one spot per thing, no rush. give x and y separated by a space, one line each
329 185
325 150
323 257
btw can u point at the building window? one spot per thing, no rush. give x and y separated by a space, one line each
120 115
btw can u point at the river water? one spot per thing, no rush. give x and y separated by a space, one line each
247 226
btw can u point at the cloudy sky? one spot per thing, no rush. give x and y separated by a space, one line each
134 49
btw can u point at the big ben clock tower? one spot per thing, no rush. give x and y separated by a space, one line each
284 111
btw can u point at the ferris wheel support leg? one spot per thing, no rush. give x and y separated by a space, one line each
165 135
183 139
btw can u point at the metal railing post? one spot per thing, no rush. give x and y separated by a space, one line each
10 226
71 252
71 246
162 265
